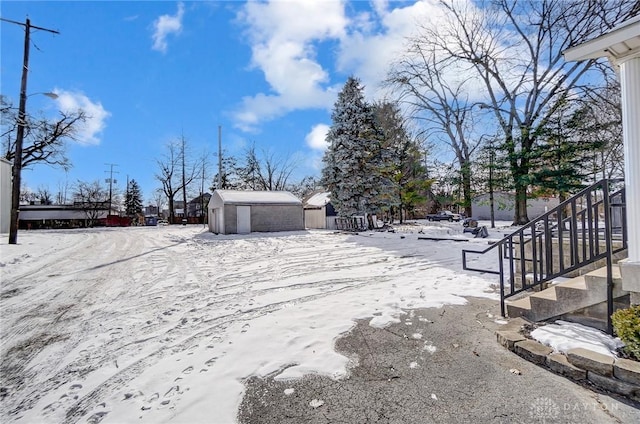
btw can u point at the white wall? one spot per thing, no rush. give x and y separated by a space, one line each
5 195
504 206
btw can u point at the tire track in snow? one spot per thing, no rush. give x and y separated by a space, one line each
201 292
94 397
114 249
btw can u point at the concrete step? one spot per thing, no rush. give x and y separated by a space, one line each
598 277
518 308
568 296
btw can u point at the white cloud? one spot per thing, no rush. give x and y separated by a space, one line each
316 139
385 32
283 37
89 131
166 25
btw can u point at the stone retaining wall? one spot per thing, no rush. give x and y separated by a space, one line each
616 375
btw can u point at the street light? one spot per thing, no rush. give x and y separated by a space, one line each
49 94
17 160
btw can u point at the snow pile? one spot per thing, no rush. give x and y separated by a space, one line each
563 336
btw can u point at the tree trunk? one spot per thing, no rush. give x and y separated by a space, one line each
184 188
520 216
466 188
171 212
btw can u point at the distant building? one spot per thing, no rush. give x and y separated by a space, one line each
197 207
503 206
151 210
241 212
64 216
319 212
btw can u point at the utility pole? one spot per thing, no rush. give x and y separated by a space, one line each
184 186
492 153
220 157
202 192
126 197
110 180
22 121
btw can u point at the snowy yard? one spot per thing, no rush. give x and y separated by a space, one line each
162 324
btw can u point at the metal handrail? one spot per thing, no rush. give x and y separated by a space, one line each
535 253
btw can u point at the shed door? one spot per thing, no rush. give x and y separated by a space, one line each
243 221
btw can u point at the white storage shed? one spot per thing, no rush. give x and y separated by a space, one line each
319 212
242 212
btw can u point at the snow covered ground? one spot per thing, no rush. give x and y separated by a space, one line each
162 324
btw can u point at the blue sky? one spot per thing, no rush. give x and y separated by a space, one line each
148 72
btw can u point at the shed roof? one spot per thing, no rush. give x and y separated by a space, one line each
55 213
258 197
319 199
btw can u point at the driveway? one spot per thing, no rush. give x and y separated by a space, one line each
439 365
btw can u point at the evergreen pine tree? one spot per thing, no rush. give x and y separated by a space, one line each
560 157
231 179
133 199
355 164
403 161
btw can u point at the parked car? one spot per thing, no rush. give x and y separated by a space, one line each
444 216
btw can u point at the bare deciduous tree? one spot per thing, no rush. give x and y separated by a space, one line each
176 172
267 173
92 198
601 121
158 199
420 78
44 195
514 48
44 139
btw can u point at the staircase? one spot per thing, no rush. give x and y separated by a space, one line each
567 296
578 242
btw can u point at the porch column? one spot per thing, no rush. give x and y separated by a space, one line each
630 85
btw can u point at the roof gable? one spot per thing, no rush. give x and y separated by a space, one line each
319 199
257 197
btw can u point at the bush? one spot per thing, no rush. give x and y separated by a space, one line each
626 324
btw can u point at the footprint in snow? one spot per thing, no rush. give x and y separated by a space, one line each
114 332
172 391
51 407
130 395
187 370
101 412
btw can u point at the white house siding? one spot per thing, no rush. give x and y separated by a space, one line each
5 195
